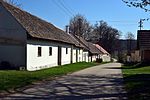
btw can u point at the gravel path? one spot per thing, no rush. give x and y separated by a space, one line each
103 82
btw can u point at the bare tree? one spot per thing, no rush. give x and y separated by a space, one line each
106 36
13 2
80 26
130 36
143 4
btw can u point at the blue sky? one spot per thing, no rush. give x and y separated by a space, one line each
114 12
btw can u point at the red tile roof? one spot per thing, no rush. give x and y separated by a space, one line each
101 49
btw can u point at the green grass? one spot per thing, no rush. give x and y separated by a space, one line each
11 79
137 82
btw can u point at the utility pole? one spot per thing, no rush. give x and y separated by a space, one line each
141 23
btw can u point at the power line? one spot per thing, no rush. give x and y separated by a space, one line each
116 21
66 8
60 7
72 10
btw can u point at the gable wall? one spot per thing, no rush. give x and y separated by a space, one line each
85 56
13 54
12 40
10 28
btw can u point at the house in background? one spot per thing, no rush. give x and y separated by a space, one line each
135 56
30 42
143 39
90 52
84 52
77 50
94 52
105 56
124 49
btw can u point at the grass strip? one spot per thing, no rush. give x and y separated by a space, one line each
12 79
137 81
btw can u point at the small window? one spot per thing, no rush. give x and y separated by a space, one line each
50 51
79 51
66 50
39 51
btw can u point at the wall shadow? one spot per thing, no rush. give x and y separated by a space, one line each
138 86
75 87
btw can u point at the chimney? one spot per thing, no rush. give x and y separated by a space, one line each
67 29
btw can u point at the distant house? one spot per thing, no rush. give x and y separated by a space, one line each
32 43
105 56
90 52
144 45
94 52
77 51
124 49
135 56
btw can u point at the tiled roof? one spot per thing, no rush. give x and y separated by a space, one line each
36 27
101 49
88 45
93 48
76 42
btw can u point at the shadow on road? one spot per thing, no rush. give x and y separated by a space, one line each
76 87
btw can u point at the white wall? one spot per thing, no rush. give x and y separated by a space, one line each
66 58
105 58
80 55
45 61
74 55
94 58
85 56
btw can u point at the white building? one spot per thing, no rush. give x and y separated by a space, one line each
90 52
77 50
105 56
30 42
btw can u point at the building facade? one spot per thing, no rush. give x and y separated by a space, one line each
143 39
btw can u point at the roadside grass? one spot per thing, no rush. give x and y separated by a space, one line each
137 81
12 79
